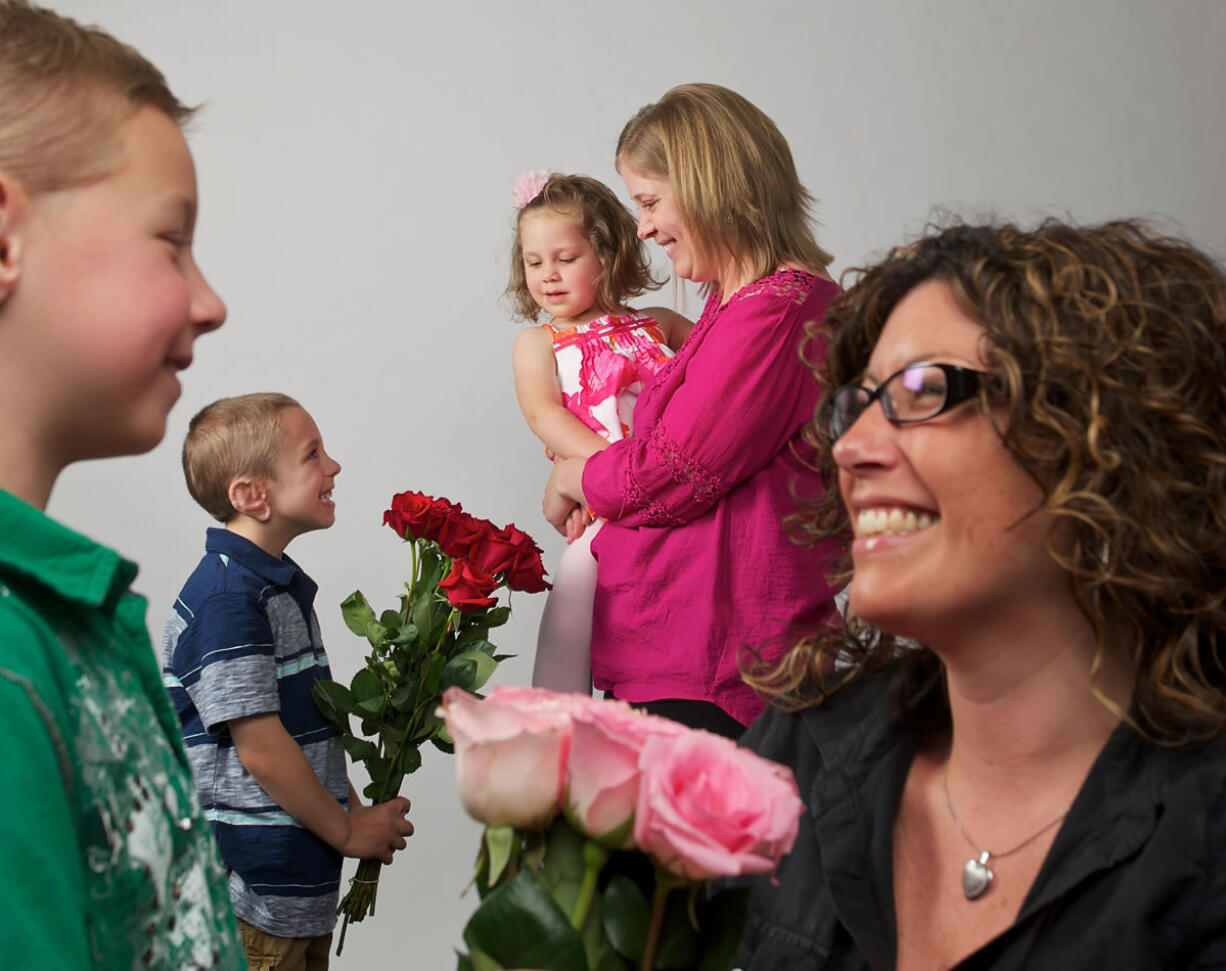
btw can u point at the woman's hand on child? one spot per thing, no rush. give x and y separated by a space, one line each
576 523
377 832
563 493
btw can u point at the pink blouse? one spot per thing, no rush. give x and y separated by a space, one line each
694 562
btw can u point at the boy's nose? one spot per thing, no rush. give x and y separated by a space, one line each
208 311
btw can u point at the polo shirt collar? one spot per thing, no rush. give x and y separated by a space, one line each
282 572
76 568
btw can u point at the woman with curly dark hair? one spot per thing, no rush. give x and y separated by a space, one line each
1018 758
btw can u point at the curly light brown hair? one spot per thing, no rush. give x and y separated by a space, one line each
1108 350
625 267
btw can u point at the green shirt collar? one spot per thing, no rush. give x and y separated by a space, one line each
38 548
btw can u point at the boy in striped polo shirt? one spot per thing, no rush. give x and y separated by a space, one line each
241 651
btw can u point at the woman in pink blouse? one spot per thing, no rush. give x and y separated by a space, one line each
694 564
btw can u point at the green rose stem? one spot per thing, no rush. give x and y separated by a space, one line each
361 898
594 858
665 883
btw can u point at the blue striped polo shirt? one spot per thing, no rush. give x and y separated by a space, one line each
243 639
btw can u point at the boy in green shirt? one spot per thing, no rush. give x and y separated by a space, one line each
107 860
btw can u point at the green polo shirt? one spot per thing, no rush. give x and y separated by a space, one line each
105 858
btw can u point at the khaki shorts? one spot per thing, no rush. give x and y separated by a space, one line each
268 953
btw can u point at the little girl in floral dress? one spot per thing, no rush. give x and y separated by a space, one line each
578 258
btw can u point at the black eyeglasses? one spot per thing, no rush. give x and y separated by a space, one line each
916 393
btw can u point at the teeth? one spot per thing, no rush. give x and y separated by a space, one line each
870 522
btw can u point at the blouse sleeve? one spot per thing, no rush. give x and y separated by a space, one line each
744 395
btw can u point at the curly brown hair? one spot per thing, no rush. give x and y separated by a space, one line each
1108 347
625 267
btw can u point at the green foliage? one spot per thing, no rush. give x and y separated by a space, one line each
627 915
502 845
519 925
417 652
534 911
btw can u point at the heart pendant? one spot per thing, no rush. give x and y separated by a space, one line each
976 877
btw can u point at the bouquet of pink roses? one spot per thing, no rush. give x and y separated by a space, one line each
438 638
595 814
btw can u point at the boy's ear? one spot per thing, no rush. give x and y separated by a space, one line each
249 496
12 203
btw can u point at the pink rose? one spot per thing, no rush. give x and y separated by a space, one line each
510 750
708 808
602 779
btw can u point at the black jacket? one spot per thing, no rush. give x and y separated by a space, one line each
1136 876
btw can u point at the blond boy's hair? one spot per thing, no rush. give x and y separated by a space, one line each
230 438
64 91
732 176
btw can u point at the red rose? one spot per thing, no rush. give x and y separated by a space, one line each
468 589
527 573
513 534
460 533
415 515
524 571
497 553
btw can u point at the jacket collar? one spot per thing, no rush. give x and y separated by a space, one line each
74 567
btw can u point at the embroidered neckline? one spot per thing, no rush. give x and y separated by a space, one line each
797 284
781 282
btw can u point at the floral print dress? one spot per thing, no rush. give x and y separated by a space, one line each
602 366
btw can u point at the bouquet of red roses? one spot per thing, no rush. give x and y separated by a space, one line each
603 826
437 639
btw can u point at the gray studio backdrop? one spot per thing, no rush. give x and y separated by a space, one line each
355 165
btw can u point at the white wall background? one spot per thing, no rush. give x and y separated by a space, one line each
355 166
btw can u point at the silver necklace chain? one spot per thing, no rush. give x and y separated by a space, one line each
976 876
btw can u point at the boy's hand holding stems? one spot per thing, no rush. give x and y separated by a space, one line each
278 764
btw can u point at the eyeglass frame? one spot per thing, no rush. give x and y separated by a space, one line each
961 385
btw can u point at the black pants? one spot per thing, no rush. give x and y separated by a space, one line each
695 714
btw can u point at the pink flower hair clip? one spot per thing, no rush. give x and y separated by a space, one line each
528 186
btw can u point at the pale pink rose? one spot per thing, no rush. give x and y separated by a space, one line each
510 751
709 808
602 777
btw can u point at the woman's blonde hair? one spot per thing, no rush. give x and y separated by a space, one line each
230 438
732 176
64 91
1108 349
625 267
